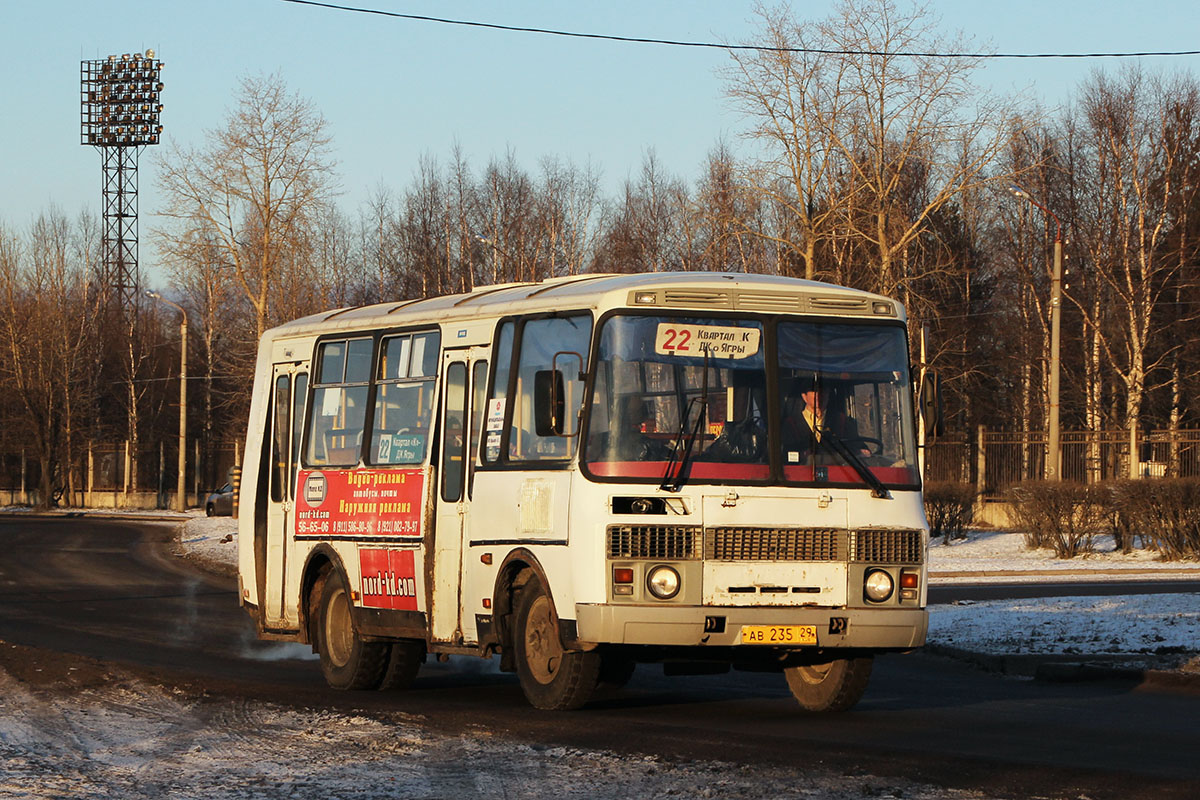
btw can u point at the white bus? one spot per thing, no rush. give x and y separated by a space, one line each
703 470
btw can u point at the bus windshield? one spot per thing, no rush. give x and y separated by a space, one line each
694 394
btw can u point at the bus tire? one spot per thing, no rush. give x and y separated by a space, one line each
347 661
834 685
403 664
552 678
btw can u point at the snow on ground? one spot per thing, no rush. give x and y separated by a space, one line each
134 741
987 555
210 539
1119 625
1164 625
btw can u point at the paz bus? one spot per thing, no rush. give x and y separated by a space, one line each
703 470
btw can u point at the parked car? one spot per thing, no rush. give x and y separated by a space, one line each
220 502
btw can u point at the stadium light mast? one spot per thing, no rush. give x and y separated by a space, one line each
120 112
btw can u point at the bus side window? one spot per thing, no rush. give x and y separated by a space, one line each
299 396
454 433
405 386
541 341
503 356
339 402
478 404
280 436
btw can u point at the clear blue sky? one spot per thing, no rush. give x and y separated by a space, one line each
394 90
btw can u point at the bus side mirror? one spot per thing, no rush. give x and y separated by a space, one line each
930 404
548 402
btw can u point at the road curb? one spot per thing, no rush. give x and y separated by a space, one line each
1068 668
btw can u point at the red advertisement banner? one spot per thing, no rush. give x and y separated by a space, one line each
388 579
368 502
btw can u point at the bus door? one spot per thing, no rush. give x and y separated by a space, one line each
289 394
465 385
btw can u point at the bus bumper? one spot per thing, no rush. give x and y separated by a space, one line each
860 628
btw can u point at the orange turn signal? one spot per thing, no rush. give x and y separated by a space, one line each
622 575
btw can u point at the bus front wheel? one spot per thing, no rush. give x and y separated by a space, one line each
834 685
552 677
347 661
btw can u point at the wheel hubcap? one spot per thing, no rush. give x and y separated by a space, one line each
543 650
339 634
814 673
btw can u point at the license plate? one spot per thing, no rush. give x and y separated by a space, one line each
779 634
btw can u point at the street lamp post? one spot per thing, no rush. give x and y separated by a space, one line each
181 488
1053 458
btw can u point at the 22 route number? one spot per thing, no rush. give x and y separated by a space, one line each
676 340
718 341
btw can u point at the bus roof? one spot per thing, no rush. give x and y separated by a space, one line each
698 291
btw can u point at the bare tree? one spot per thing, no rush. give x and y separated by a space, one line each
569 198
44 333
868 134
794 98
643 230
1138 137
254 187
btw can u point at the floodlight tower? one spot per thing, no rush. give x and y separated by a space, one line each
119 114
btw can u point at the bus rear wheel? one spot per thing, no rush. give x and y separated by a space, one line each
552 677
347 661
403 664
834 685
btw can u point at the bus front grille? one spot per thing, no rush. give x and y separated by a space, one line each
654 541
880 546
689 542
775 544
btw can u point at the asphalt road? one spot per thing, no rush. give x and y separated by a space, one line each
108 591
1110 585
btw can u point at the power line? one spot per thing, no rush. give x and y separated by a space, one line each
719 46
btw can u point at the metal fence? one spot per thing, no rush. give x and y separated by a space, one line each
114 474
995 460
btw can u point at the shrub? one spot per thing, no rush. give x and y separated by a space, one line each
1124 519
1163 512
950 508
1064 517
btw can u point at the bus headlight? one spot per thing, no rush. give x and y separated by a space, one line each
663 582
878 585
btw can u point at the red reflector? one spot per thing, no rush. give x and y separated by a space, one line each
487 602
622 575
909 580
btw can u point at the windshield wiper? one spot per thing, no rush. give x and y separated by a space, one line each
852 458
673 483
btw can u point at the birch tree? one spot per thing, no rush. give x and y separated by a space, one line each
1136 146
